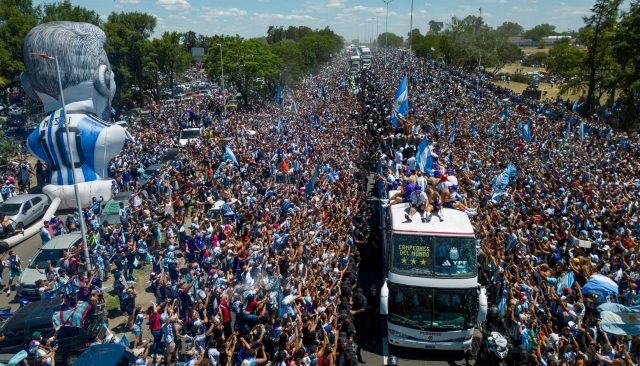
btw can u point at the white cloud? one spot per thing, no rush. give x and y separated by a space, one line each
282 16
503 1
129 1
104 17
263 1
518 9
366 9
173 16
427 4
336 3
303 11
219 12
117 6
565 10
422 11
174 4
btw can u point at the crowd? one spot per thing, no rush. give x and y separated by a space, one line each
254 230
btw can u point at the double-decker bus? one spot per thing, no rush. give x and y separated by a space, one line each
431 297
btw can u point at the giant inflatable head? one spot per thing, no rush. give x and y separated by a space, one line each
88 86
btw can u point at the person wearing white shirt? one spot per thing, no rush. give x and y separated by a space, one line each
418 202
411 163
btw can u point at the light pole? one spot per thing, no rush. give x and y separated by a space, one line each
83 230
224 95
371 31
377 30
386 31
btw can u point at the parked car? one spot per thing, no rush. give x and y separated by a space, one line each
51 251
189 134
25 209
106 355
36 317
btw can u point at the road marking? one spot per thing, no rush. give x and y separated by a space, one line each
385 350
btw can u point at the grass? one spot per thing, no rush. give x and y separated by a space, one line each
141 275
519 87
511 68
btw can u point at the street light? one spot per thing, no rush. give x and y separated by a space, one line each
377 30
386 31
71 159
224 95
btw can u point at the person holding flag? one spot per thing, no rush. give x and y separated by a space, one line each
400 103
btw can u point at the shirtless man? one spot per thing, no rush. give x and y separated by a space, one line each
7 228
419 201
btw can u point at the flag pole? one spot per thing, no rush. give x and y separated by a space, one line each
410 55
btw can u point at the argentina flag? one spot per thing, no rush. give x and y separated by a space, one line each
400 102
228 154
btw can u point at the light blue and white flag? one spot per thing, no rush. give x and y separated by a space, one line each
526 131
618 319
581 130
228 154
424 159
400 102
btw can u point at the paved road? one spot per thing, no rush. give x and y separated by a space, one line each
26 250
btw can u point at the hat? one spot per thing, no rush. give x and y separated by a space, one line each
53 216
444 178
408 172
343 337
418 188
566 290
35 335
46 222
450 171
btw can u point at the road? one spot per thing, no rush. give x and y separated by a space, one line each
369 353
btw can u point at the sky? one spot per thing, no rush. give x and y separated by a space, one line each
352 19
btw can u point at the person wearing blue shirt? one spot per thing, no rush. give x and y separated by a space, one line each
96 204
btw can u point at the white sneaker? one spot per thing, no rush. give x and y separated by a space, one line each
385 205
384 200
8 292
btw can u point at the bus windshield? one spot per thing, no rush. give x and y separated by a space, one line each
424 308
430 256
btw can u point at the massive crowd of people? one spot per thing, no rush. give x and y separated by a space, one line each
264 216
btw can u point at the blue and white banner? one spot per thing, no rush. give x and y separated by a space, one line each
400 102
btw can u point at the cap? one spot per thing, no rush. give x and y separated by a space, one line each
444 178
35 335
46 221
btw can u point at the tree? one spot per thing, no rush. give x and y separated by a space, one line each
390 39
244 62
598 34
507 53
66 11
539 32
542 44
473 43
292 61
171 57
538 58
435 27
8 148
509 29
316 49
567 60
427 45
127 45
17 18
625 52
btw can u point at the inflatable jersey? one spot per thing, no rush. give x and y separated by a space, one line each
88 85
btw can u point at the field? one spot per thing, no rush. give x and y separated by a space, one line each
519 87
534 49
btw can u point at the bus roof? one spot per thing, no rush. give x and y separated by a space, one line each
456 223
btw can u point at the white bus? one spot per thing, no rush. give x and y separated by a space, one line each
431 297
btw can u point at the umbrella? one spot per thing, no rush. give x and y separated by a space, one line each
600 285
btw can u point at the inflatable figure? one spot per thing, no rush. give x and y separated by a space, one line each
87 81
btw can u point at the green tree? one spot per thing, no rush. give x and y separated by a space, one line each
316 49
127 47
567 61
598 34
506 53
64 10
539 32
292 61
425 45
17 18
8 148
542 45
509 29
390 39
435 27
538 58
170 57
627 55
473 42
244 61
